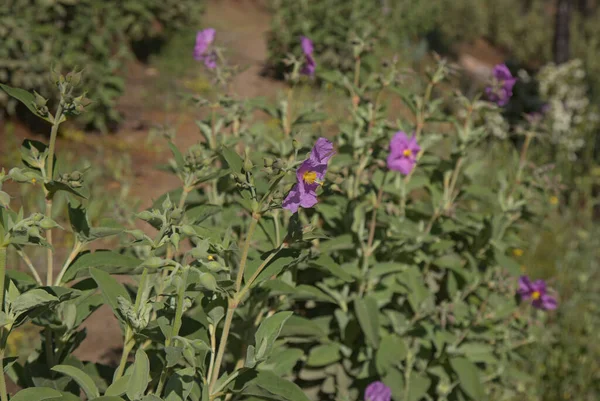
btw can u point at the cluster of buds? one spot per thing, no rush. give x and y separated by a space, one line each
32 227
73 180
40 105
195 159
71 104
273 166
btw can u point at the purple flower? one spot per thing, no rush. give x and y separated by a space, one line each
310 65
536 291
377 391
201 51
403 153
310 176
502 85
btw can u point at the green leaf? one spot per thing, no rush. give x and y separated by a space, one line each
118 387
367 313
180 385
327 263
108 398
111 290
392 351
83 379
301 327
419 385
233 159
36 394
107 261
140 375
198 214
323 355
55 186
451 261
31 299
268 332
28 99
468 376
78 219
177 155
280 387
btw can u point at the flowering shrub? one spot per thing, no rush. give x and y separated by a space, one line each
377 266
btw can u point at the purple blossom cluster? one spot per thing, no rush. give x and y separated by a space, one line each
310 176
202 50
501 89
536 292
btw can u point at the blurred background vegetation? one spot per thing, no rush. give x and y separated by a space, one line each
552 45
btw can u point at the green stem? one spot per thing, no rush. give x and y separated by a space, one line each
233 303
179 310
244 290
3 393
367 250
29 264
76 248
243 260
221 352
127 347
50 177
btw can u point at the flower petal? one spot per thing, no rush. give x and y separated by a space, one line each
525 288
322 151
402 164
549 302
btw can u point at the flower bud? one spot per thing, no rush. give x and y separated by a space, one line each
138 235
177 214
267 162
145 215
296 144
248 164
188 230
34 232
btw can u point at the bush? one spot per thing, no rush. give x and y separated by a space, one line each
398 270
334 24
94 34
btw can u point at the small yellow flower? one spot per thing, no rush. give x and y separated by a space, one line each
210 257
554 200
33 181
517 252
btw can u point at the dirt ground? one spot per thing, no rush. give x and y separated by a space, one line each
241 26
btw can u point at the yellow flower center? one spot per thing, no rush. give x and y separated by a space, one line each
407 152
518 252
309 177
536 295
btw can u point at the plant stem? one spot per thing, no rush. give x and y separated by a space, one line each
3 393
221 352
127 347
29 264
50 177
213 348
244 259
373 224
243 291
179 311
233 303
76 248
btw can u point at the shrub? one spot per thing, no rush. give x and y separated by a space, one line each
94 34
396 266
